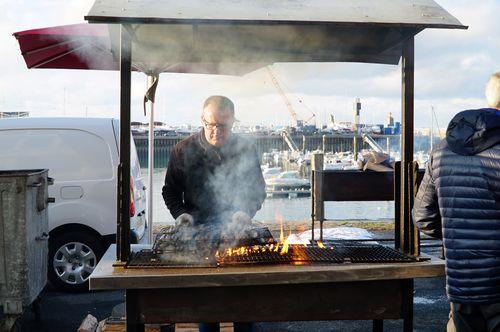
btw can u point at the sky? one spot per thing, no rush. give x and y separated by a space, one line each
451 70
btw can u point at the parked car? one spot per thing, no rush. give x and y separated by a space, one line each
270 172
82 157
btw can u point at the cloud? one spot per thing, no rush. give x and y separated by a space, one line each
450 71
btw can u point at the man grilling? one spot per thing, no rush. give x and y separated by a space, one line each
213 177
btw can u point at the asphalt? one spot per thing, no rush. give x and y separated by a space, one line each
63 312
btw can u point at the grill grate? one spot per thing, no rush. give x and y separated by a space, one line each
311 254
147 258
337 253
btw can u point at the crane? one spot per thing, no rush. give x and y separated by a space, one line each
291 110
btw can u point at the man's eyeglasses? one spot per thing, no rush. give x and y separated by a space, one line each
220 126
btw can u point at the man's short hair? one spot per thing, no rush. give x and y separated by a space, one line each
493 91
222 103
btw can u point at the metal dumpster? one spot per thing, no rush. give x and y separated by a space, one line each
23 240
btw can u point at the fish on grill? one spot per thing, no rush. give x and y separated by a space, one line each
186 244
198 244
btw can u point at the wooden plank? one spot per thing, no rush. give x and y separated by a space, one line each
360 185
305 302
193 327
106 276
119 326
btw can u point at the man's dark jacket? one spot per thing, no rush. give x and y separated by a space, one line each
210 182
459 200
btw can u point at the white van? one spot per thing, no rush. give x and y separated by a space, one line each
82 157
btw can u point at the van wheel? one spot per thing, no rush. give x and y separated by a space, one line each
72 258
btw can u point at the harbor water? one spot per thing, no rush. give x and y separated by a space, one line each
293 209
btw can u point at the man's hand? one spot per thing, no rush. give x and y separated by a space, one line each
242 219
184 219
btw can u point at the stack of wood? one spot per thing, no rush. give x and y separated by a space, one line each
90 324
193 327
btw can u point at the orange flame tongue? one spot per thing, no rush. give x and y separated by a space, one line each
284 249
282 236
283 242
321 245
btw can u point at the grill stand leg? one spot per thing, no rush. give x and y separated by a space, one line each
378 325
408 305
133 316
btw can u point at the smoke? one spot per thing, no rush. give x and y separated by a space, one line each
235 185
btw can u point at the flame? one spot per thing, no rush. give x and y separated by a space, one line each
282 247
282 236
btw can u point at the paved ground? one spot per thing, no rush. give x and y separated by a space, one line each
63 312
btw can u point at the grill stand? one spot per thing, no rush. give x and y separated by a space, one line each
160 294
363 300
265 293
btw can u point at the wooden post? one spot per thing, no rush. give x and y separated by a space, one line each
413 187
355 146
398 227
123 224
378 325
134 320
318 206
407 71
407 291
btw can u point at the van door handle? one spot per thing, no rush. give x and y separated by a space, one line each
43 237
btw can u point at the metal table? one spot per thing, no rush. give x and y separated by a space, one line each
265 293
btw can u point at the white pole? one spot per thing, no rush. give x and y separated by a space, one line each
151 159
432 127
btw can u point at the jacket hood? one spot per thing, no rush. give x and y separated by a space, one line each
473 131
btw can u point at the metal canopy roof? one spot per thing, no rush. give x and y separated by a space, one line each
420 13
267 31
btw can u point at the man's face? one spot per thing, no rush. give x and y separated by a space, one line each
217 124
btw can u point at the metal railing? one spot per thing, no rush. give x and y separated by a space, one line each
263 143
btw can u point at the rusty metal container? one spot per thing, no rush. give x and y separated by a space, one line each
23 240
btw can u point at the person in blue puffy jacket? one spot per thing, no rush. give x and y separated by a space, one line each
459 201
